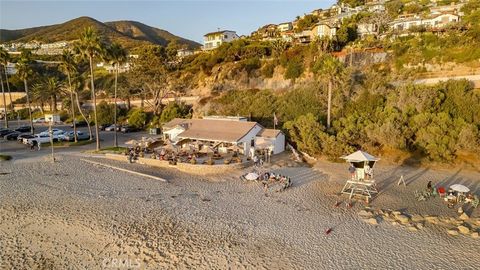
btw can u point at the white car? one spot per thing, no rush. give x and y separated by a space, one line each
39 120
112 128
41 138
55 131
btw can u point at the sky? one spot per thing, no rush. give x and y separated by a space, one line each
188 19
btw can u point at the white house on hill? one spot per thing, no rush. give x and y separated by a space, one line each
215 39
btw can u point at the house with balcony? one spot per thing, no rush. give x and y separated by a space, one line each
213 40
285 27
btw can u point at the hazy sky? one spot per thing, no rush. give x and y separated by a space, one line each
189 19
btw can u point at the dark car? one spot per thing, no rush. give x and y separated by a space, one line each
127 129
12 136
5 131
23 136
23 129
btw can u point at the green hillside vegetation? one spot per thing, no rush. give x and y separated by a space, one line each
436 122
129 34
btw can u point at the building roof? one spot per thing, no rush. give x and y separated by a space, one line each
218 32
175 122
213 130
268 133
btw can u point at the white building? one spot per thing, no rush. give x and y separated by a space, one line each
364 29
436 21
284 27
184 52
215 39
324 30
223 132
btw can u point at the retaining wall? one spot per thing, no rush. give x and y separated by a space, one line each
199 169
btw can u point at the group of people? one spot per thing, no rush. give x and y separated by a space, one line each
258 162
270 178
367 170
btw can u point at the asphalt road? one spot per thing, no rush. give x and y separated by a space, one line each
18 150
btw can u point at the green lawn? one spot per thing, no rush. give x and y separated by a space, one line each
5 157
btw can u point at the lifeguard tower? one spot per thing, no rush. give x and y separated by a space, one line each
362 181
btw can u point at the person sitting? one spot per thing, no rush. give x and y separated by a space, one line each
429 187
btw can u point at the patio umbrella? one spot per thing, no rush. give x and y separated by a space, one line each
460 188
251 176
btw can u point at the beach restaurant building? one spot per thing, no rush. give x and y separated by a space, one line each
223 133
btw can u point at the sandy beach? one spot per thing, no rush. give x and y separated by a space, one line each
73 214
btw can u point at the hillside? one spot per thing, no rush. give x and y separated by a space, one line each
140 31
131 34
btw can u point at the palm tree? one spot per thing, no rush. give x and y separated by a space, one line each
52 87
67 65
24 71
89 46
116 55
4 59
332 71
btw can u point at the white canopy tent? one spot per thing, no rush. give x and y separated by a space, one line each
359 184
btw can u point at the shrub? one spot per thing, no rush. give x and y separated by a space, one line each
137 118
268 69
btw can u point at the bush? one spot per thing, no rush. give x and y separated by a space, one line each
268 69
137 118
294 70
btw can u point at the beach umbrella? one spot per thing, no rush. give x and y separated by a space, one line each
251 176
460 188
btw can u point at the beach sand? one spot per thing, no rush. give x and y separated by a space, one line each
73 214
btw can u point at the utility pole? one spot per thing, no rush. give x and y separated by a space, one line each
50 131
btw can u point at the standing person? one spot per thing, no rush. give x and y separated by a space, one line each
255 160
39 146
32 145
352 171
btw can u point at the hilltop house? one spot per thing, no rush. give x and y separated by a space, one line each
364 29
224 132
435 21
284 27
213 40
324 30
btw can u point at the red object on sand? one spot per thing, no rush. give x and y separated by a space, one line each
337 204
441 190
328 231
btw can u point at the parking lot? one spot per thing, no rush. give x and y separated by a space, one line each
18 150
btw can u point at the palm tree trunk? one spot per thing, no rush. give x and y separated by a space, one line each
84 117
115 142
72 104
94 99
4 101
329 105
54 102
8 89
29 108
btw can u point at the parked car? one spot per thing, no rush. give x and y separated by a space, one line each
5 131
79 124
126 129
39 120
40 138
23 129
55 131
12 136
69 136
112 128
104 126
24 136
